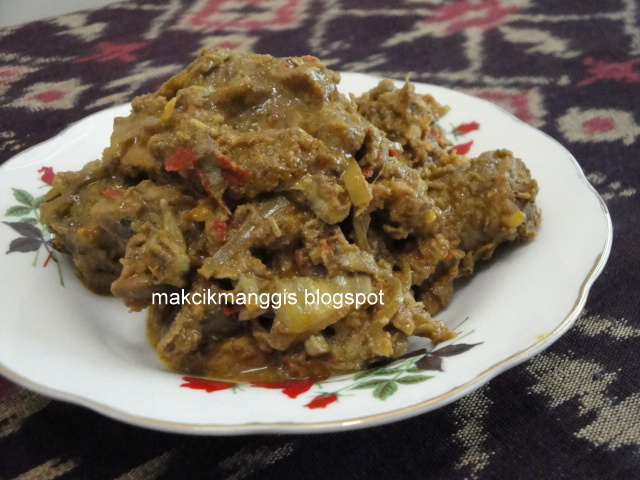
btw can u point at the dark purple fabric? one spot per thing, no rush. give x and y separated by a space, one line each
570 68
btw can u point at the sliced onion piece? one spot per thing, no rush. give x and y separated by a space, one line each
240 239
357 186
360 228
323 199
309 315
213 182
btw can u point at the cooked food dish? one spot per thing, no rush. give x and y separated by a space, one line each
276 229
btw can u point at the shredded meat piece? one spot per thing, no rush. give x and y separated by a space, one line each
252 175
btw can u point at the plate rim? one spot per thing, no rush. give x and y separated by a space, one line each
364 421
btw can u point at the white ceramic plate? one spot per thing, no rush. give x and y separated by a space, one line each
67 343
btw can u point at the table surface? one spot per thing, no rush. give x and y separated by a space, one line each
569 68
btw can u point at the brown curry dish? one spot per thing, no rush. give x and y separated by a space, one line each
252 174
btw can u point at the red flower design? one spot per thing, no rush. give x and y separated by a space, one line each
225 14
206 385
465 128
47 174
114 51
598 125
462 149
49 96
291 389
459 16
610 71
321 401
13 73
517 103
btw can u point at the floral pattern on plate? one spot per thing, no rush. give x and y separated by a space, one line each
33 235
382 381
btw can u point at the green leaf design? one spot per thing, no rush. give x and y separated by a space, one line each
376 372
385 389
23 197
17 211
386 371
414 369
32 234
364 373
369 384
38 201
413 379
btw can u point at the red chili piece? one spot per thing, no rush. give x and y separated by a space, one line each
220 230
112 193
183 158
234 174
231 310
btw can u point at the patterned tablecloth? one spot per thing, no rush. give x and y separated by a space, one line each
569 68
